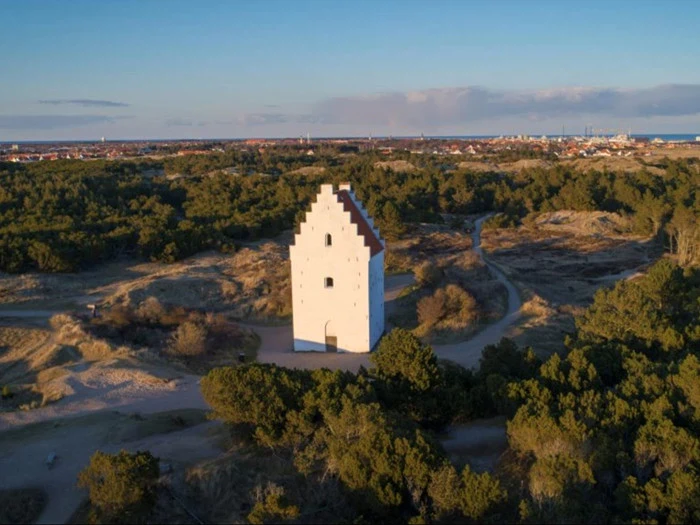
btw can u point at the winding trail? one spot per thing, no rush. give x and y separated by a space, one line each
467 353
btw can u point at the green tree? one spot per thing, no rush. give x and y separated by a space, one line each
121 487
392 226
272 506
260 395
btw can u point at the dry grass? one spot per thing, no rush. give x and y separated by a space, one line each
42 366
442 257
616 164
253 284
558 260
478 166
188 338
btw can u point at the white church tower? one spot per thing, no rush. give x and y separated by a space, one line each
337 276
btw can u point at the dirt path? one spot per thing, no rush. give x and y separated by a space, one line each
467 353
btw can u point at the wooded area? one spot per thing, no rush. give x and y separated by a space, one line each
66 215
606 431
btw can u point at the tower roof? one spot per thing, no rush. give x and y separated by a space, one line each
363 227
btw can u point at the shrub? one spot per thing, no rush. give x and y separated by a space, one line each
502 220
427 274
258 394
450 304
151 311
189 340
121 486
118 316
467 495
272 506
432 308
461 304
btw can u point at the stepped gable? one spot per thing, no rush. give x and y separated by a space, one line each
363 227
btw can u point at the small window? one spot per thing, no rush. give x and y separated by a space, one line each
329 240
329 282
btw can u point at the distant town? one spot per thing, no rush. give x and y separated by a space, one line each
555 147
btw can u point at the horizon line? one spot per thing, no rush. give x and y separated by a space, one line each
345 137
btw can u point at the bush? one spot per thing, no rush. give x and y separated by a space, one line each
432 308
271 506
189 340
502 220
118 316
427 274
451 304
258 394
151 311
121 487
6 392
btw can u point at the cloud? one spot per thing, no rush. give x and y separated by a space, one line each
460 105
257 119
262 119
39 122
85 102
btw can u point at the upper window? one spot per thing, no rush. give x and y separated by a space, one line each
329 282
329 239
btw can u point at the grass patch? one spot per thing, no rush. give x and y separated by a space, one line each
192 339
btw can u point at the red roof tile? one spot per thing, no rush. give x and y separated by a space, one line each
363 227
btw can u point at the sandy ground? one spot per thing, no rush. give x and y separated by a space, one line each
117 389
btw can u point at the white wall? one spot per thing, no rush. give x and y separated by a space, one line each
347 305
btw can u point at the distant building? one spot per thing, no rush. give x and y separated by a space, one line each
337 276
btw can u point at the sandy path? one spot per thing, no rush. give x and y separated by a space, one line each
467 353
276 342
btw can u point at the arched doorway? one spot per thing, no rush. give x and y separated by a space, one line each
331 338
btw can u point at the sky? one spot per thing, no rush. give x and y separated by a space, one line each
79 69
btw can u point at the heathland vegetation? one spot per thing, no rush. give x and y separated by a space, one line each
604 431
65 215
